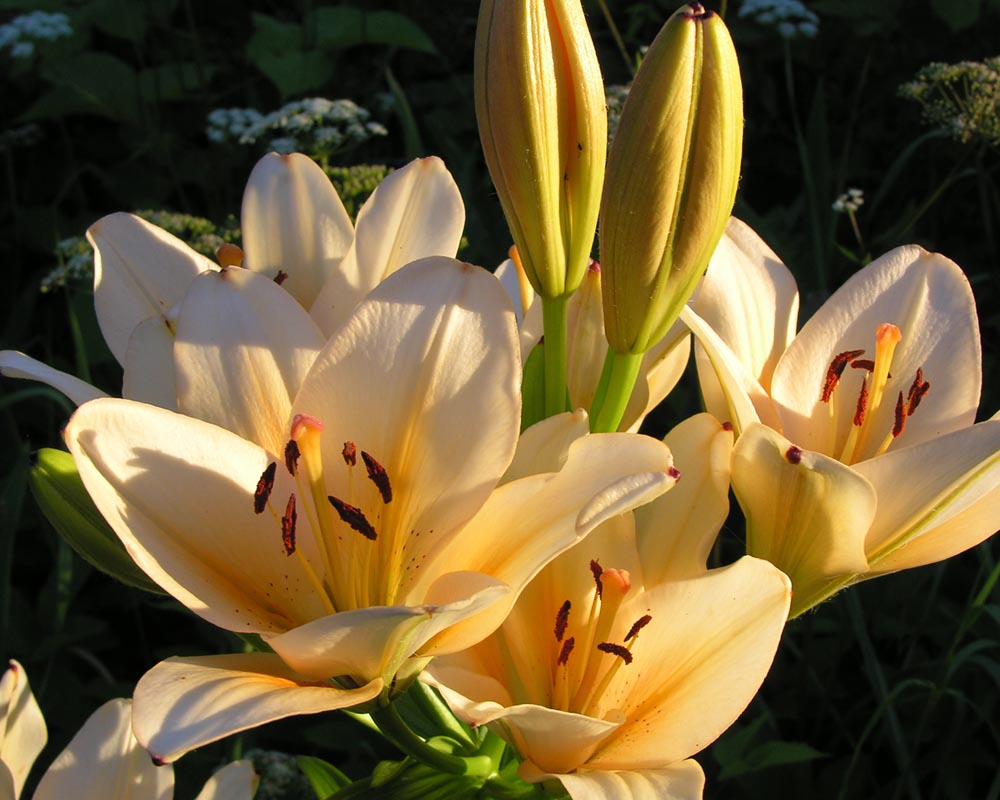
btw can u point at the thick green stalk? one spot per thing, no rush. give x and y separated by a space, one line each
554 326
617 381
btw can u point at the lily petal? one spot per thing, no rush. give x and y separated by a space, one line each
293 221
179 494
742 400
540 516
149 364
936 499
415 212
806 513
684 780
140 271
104 760
544 446
15 364
750 299
727 623
235 781
676 531
243 348
22 728
183 703
929 299
425 368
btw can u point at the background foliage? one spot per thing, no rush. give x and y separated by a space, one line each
889 691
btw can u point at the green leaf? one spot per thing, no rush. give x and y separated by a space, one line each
64 501
277 49
957 14
343 26
88 83
173 82
324 778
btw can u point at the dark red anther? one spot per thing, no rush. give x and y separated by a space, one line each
562 620
616 650
674 473
281 277
835 370
596 570
727 426
158 761
918 389
378 476
354 517
900 421
350 454
565 650
288 526
862 406
863 363
264 487
638 625
292 456
793 454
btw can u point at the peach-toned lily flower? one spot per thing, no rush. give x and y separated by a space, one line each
22 731
102 760
626 655
365 541
862 423
662 366
295 231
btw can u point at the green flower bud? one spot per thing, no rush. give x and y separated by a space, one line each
60 494
672 175
543 125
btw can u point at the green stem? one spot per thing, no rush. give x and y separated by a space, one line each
398 732
554 326
617 381
435 710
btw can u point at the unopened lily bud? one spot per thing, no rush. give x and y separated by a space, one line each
60 494
543 124
672 174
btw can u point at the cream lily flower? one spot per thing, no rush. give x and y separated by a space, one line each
872 449
295 231
625 656
358 576
662 366
22 731
103 760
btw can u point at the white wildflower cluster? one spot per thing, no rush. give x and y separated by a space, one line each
961 99
314 125
21 136
790 17
76 264
20 35
231 124
849 201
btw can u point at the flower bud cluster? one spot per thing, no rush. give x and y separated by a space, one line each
20 35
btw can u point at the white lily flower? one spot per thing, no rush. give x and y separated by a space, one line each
626 655
361 542
861 425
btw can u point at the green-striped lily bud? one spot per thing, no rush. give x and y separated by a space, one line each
671 179
60 494
544 128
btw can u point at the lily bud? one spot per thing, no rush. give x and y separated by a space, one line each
64 501
672 174
543 125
